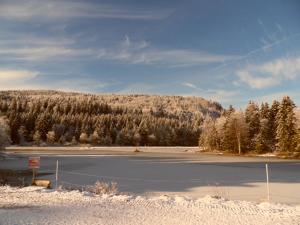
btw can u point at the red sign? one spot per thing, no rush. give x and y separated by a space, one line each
34 162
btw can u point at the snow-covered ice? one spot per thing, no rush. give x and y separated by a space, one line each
34 205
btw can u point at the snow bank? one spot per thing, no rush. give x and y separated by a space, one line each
35 205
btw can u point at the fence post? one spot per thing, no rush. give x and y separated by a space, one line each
56 175
268 187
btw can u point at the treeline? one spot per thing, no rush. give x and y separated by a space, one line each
37 117
257 129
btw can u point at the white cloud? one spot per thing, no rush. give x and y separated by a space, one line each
8 75
47 10
16 79
270 74
29 80
256 82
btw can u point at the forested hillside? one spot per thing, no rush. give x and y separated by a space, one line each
35 117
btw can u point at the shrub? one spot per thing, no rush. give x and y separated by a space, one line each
100 188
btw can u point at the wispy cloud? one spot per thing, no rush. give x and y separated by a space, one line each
41 53
143 53
270 74
47 10
268 44
31 48
190 85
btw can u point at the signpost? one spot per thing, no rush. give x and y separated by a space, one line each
34 164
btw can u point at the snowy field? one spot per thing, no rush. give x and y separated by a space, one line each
34 205
191 175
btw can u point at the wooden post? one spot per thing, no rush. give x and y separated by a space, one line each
33 175
268 187
56 175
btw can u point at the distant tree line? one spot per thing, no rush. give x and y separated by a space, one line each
257 129
58 118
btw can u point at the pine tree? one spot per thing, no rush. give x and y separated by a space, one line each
43 125
14 124
37 138
253 120
262 140
286 126
272 125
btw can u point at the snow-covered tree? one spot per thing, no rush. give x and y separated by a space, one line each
237 132
286 126
252 117
4 131
208 137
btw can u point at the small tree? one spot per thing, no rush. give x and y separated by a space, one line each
74 141
208 137
36 137
51 137
95 138
237 130
83 138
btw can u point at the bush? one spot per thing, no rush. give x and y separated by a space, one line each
100 188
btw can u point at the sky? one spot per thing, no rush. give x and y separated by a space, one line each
228 51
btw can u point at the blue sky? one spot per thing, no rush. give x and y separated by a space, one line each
229 51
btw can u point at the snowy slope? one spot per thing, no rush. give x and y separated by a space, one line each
34 205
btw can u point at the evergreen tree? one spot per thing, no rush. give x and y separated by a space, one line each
272 125
37 138
43 125
262 141
252 117
286 126
14 125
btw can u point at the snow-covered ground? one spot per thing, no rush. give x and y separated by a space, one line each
33 205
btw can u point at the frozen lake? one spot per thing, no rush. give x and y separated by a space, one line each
193 175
